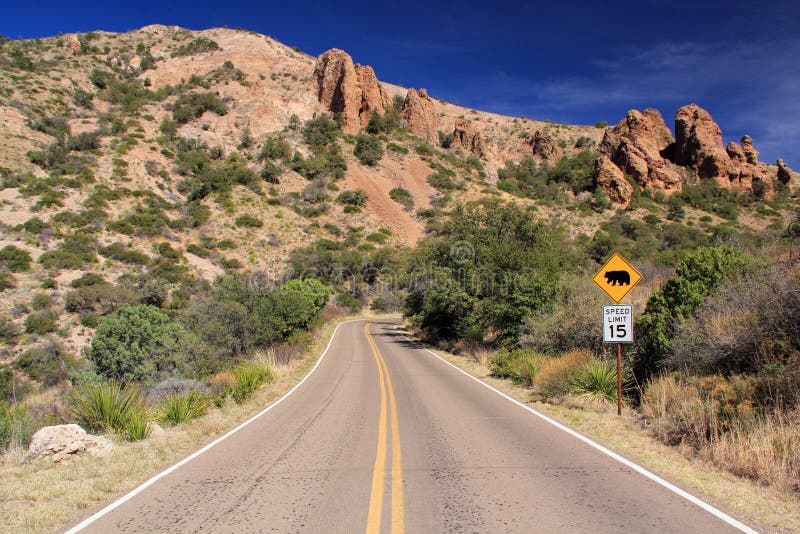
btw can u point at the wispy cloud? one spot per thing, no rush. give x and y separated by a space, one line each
748 87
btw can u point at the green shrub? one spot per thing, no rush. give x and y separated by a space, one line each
424 148
596 378
383 123
48 363
198 250
696 276
42 322
196 46
368 149
320 131
41 301
88 279
136 426
394 147
518 364
249 377
275 148
191 106
16 428
49 283
82 99
15 259
109 406
402 196
248 221
90 320
137 343
84 141
73 253
124 253
102 298
198 214
176 409
353 198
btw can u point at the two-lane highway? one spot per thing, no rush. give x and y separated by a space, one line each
384 436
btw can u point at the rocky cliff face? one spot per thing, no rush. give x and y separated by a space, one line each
698 145
466 137
349 89
545 148
642 147
419 114
635 145
608 176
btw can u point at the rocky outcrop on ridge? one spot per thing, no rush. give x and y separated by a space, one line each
545 147
466 137
419 115
349 89
612 180
636 145
698 145
642 147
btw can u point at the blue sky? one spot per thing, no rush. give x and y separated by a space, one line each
577 61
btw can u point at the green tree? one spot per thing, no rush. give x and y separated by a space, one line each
138 343
696 276
491 266
368 149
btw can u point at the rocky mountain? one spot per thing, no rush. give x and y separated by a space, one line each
190 152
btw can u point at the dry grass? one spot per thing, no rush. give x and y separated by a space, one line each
553 374
44 496
766 508
708 417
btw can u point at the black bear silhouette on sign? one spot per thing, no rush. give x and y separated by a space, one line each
622 278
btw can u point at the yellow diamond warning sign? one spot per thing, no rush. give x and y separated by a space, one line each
617 277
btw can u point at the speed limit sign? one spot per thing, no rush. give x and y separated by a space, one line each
617 324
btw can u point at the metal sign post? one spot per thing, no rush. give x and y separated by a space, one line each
617 277
618 329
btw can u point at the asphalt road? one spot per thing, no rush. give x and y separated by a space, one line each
383 436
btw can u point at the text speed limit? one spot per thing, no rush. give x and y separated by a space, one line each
617 324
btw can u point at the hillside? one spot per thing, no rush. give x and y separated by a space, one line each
167 157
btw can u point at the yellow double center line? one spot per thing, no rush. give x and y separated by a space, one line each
379 473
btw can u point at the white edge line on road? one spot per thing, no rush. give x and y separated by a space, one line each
89 520
639 469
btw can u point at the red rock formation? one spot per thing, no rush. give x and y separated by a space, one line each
610 178
73 44
698 144
635 145
744 168
750 153
352 90
545 147
419 114
373 97
465 137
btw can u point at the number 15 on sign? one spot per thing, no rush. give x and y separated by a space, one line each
617 324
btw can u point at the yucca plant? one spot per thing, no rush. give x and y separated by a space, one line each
136 427
527 369
105 406
596 377
177 409
249 377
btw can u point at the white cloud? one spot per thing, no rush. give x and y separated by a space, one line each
748 87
